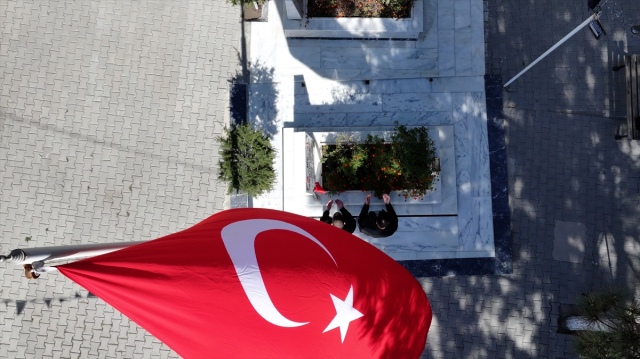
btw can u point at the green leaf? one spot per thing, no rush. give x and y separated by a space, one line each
247 160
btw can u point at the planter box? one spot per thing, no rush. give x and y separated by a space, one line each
299 25
314 162
255 12
320 177
303 168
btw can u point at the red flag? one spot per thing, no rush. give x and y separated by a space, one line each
257 283
318 188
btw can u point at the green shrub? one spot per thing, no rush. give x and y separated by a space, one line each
406 164
247 158
360 8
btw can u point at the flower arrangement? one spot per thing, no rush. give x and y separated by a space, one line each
406 164
360 8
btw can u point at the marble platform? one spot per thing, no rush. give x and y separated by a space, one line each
450 44
320 86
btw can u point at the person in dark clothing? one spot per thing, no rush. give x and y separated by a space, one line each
341 219
382 224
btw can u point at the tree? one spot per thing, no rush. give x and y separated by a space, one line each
247 158
612 320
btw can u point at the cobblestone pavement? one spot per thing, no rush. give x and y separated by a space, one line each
108 115
564 165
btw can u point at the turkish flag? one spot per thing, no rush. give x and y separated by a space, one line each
258 283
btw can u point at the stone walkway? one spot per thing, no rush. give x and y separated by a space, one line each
563 168
108 116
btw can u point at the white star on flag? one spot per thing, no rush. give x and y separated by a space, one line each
345 313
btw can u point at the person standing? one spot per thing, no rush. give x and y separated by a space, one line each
378 225
341 219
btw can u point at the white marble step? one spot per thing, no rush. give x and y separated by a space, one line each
355 119
360 44
401 210
416 236
368 102
378 58
338 74
436 254
347 63
337 89
460 33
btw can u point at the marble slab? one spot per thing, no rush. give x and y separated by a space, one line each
284 74
397 86
317 88
411 102
446 14
498 260
328 103
399 59
462 48
298 56
458 84
477 38
428 118
418 237
353 42
429 37
338 119
414 241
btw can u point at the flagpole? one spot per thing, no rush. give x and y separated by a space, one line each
32 259
564 39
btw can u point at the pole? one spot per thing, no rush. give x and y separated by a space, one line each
41 254
564 39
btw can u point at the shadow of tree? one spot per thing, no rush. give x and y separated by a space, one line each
563 167
263 99
564 164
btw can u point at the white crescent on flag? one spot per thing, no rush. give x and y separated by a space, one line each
239 240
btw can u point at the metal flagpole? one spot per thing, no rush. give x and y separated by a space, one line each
564 39
32 259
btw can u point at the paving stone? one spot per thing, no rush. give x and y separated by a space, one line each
569 241
87 92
